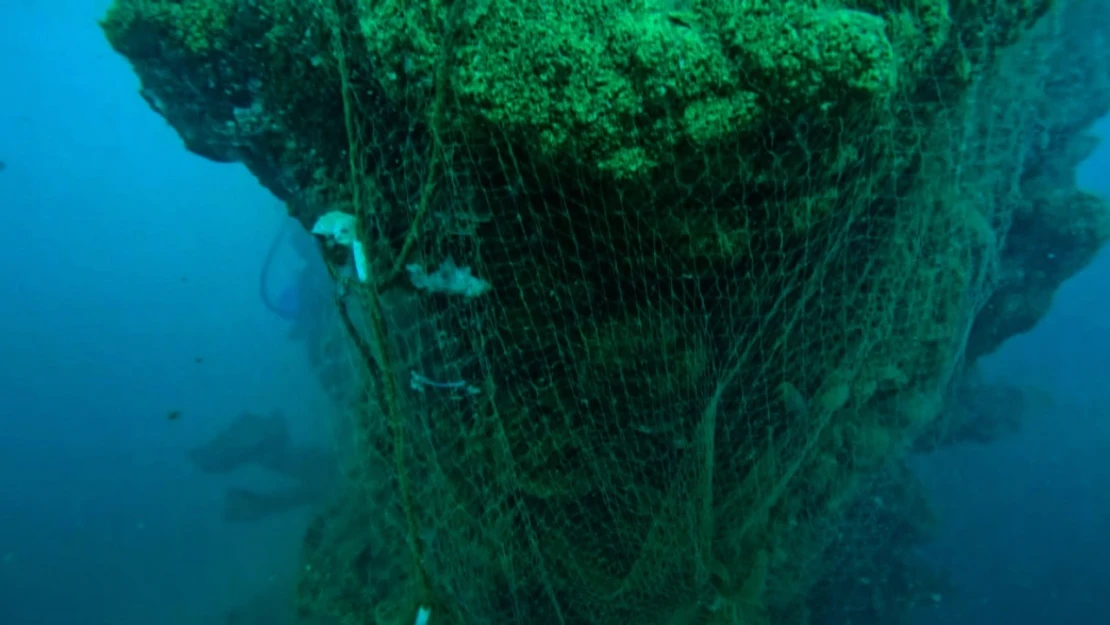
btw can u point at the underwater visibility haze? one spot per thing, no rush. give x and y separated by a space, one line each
574 312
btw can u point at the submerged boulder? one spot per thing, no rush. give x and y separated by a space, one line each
733 256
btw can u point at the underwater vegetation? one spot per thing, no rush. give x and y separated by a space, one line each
734 259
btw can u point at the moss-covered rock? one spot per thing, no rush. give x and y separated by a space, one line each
684 207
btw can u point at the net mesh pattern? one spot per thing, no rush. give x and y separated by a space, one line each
694 341
659 289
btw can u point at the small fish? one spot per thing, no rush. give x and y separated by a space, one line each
173 415
199 360
3 165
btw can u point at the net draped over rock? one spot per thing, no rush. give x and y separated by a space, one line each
734 254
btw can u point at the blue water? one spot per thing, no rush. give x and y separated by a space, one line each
124 259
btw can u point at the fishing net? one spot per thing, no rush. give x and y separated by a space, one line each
709 305
656 288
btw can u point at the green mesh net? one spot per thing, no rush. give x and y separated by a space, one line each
658 290
710 307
